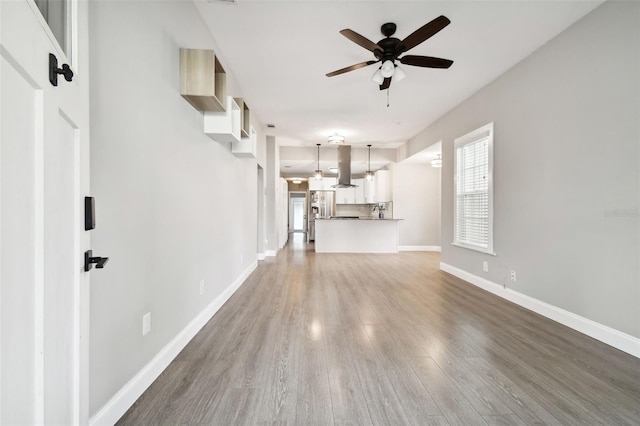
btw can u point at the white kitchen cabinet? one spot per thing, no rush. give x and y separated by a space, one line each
345 195
368 191
324 184
382 182
359 191
364 191
328 183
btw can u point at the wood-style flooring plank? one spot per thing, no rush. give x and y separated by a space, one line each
371 339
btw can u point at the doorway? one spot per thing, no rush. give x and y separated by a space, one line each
297 211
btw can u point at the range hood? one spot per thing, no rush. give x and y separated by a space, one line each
344 167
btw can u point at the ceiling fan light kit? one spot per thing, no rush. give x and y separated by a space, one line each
377 77
387 69
389 50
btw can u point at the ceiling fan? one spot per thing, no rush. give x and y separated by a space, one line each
389 49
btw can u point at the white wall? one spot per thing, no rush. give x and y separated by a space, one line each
416 200
272 189
566 153
173 206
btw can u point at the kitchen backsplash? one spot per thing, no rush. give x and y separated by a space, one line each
364 210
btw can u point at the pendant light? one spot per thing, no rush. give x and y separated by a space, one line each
318 170
369 174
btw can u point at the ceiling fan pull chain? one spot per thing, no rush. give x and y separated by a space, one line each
388 97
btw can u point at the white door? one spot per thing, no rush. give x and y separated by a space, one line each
298 214
44 175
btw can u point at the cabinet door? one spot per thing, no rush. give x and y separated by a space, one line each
328 182
383 186
341 196
351 195
359 191
314 184
368 191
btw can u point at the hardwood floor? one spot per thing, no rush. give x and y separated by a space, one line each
385 340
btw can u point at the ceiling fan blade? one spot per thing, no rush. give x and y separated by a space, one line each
422 33
351 68
426 61
386 83
360 40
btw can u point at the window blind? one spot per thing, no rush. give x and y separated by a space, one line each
472 193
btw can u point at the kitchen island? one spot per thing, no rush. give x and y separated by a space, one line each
342 235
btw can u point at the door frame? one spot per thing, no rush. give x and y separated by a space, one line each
301 195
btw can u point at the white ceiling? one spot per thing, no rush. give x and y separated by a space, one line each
279 53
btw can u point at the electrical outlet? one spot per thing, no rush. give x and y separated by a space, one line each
146 323
513 276
201 287
485 266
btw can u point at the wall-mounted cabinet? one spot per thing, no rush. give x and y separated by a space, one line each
246 148
203 82
382 181
324 184
245 117
224 126
364 191
346 195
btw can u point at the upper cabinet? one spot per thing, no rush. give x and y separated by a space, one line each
364 191
346 195
382 182
324 184
203 82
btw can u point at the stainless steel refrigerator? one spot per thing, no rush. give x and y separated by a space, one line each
322 204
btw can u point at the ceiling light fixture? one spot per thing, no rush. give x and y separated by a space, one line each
437 162
336 139
297 181
333 169
318 170
387 69
369 174
377 77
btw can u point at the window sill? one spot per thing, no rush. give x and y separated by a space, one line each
474 248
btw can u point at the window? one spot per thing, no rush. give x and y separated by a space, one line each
473 226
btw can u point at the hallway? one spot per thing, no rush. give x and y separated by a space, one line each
385 339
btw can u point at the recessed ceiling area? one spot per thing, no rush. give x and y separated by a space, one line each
279 52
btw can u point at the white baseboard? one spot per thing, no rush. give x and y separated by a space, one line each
603 333
270 253
419 248
261 256
111 412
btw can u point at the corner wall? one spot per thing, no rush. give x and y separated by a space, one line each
566 171
174 207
